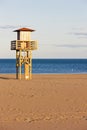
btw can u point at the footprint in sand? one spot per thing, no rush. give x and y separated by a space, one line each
1 108
84 117
26 119
29 120
47 118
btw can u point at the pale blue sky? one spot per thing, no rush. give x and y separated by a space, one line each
61 26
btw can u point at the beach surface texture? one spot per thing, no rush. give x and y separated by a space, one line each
47 102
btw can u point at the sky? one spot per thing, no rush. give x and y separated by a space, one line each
61 26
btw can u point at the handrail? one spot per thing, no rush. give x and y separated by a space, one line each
23 45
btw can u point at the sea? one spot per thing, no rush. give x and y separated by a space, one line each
47 66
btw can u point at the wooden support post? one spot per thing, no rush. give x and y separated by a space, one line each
20 64
17 64
30 64
26 66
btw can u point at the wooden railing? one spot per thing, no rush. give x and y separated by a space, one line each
23 45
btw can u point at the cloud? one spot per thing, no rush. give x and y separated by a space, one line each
65 45
79 28
72 46
7 26
4 27
79 33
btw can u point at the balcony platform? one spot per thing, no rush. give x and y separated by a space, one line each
23 45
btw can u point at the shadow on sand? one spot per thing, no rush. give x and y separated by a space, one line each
7 78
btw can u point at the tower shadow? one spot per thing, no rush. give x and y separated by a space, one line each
7 78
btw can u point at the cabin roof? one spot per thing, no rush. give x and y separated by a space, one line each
24 29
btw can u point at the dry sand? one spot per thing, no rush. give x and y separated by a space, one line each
47 102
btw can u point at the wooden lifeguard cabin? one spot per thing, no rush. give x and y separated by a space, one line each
24 46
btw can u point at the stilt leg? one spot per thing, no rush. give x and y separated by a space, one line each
20 65
30 64
17 64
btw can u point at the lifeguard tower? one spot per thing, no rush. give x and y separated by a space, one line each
24 46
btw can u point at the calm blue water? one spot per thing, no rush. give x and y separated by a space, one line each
48 66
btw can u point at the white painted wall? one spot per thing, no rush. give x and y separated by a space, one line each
24 36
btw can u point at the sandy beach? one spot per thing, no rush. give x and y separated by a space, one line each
47 102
